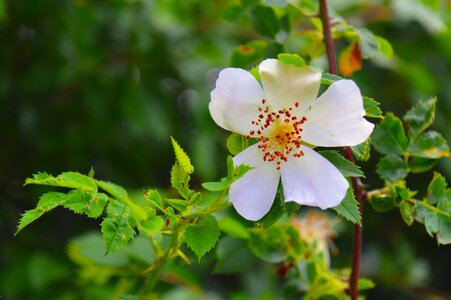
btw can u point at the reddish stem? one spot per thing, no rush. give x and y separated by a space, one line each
359 191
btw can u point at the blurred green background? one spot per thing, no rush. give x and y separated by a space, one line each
104 84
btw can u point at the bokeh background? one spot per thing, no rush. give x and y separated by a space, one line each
103 84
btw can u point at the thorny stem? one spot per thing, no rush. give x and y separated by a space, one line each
359 191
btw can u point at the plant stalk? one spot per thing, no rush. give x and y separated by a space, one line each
359 191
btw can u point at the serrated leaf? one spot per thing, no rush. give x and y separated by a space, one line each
372 108
46 203
88 203
117 227
113 189
202 236
389 136
430 144
291 59
264 21
420 116
392 167
346 167
349 209
407 212
71 180
362 151
182 158
233 256
180 181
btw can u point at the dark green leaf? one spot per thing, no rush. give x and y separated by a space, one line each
420 116
372 108
431 223
202 236
437 190
389 136
420 165
382 203
178 204
349 209
265 21
430 144
392 168
233 256
346 167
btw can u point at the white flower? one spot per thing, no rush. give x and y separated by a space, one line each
283 115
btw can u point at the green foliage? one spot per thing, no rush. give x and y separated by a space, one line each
233 174
182 158
72 180
265 21
392 167
202 236
291 59
362 152
233 256
420 117
372 108
349 209
346 167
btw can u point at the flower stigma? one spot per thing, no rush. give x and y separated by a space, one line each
278 133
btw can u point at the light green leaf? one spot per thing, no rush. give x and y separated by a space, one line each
152 225
235 143
180 181
117 227
389 136
233 227
178 204
430 144
113 189
371 108
88 203
202 236
46 203
346 167
182 158
362 151
233 256
392 167
265 22
384 46
71 180
226 182
437 190
365 284
291 59
154 199
348 208
420 117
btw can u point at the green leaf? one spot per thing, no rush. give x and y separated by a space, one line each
275 213
392 167
233 227
328 79
154 199
71 180
407 212
389 136
88 203
362 151
218 185
348 208
226 182
382 203
384 46
372 108
113 189
430 144
264 21
365 284
235 143
180 181
202 236
431 223
182 158
420 117
421 165
291 59
368 43
46 203
117 227
233 256
178 204
268 244
152 225
346 167
437 190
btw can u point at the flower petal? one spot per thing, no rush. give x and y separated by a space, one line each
253 194
286 84
336 118
312 180
235 100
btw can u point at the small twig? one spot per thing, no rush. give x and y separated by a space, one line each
359 190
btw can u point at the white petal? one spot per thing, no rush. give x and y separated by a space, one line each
253 194
286 84
336 118
312 180
235 100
